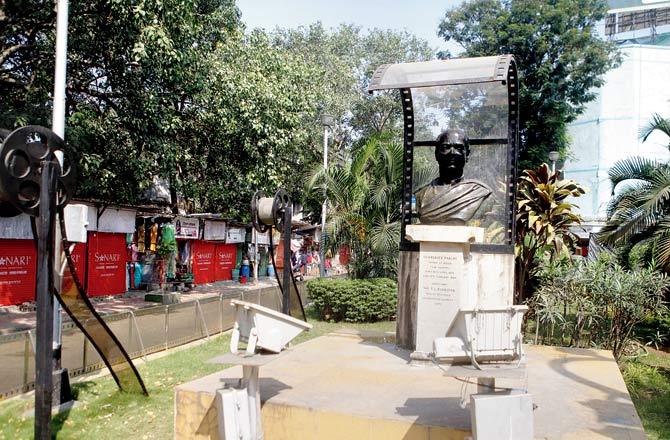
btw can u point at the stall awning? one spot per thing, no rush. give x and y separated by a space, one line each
440 72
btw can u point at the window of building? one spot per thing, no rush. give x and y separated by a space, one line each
610 25
632 21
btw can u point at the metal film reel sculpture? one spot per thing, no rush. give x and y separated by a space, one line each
24 154
276 212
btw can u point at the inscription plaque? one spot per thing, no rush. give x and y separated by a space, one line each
442 275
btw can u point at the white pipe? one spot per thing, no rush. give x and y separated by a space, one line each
58 117
324 207
58 127
254 234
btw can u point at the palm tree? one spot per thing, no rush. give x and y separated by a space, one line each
639 211
364 196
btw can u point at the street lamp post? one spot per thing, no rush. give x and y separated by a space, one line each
59 384
553 157
326 122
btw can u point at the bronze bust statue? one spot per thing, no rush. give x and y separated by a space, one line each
449 199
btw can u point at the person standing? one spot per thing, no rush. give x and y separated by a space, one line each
316 261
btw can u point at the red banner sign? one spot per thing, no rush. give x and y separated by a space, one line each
106 263
345 255
18 271
203 261
226 259
279 255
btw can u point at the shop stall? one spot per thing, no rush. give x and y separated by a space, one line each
187 230
236 237
156 249
17 271
106 253
17 261
106 268
18 255
262 242
225 254
204 261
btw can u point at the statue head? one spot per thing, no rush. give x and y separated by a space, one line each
451 153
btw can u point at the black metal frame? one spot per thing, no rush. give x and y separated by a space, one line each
408 166
512 81
513 142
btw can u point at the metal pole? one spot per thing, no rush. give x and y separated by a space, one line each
202 318
286 306
26 360
221 313
553 157
83 355
58 127
58 116
130 330
139 335
254 234
167 325
44 298
324 207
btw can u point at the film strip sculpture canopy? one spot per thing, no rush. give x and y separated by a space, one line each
37 178
478 97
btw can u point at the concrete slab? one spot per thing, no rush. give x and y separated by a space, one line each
242 358
345 386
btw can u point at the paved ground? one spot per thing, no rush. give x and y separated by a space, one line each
344 386
12 319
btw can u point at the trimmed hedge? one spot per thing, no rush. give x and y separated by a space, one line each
367 300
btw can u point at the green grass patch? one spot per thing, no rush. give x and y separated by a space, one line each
648 381
102 412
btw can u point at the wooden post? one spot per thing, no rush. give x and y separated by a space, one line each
44 298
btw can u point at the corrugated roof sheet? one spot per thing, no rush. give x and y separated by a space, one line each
639 4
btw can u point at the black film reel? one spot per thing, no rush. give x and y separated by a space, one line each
21 156
280 203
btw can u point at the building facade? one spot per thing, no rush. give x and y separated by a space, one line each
609 128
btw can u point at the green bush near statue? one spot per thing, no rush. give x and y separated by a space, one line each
354 300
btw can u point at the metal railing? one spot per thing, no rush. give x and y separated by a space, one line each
142 332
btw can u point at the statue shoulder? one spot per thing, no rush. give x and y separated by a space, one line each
423 189
476 184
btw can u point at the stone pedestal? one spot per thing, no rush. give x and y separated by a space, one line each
408 279
446 276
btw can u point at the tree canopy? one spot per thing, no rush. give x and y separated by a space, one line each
168 89
347 58
561 59
175 90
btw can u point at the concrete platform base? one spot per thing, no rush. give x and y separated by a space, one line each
344 386
164 298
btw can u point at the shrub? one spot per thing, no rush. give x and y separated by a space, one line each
543 220
597 303
654 331
357 300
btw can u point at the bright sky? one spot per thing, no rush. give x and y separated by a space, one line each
419 17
